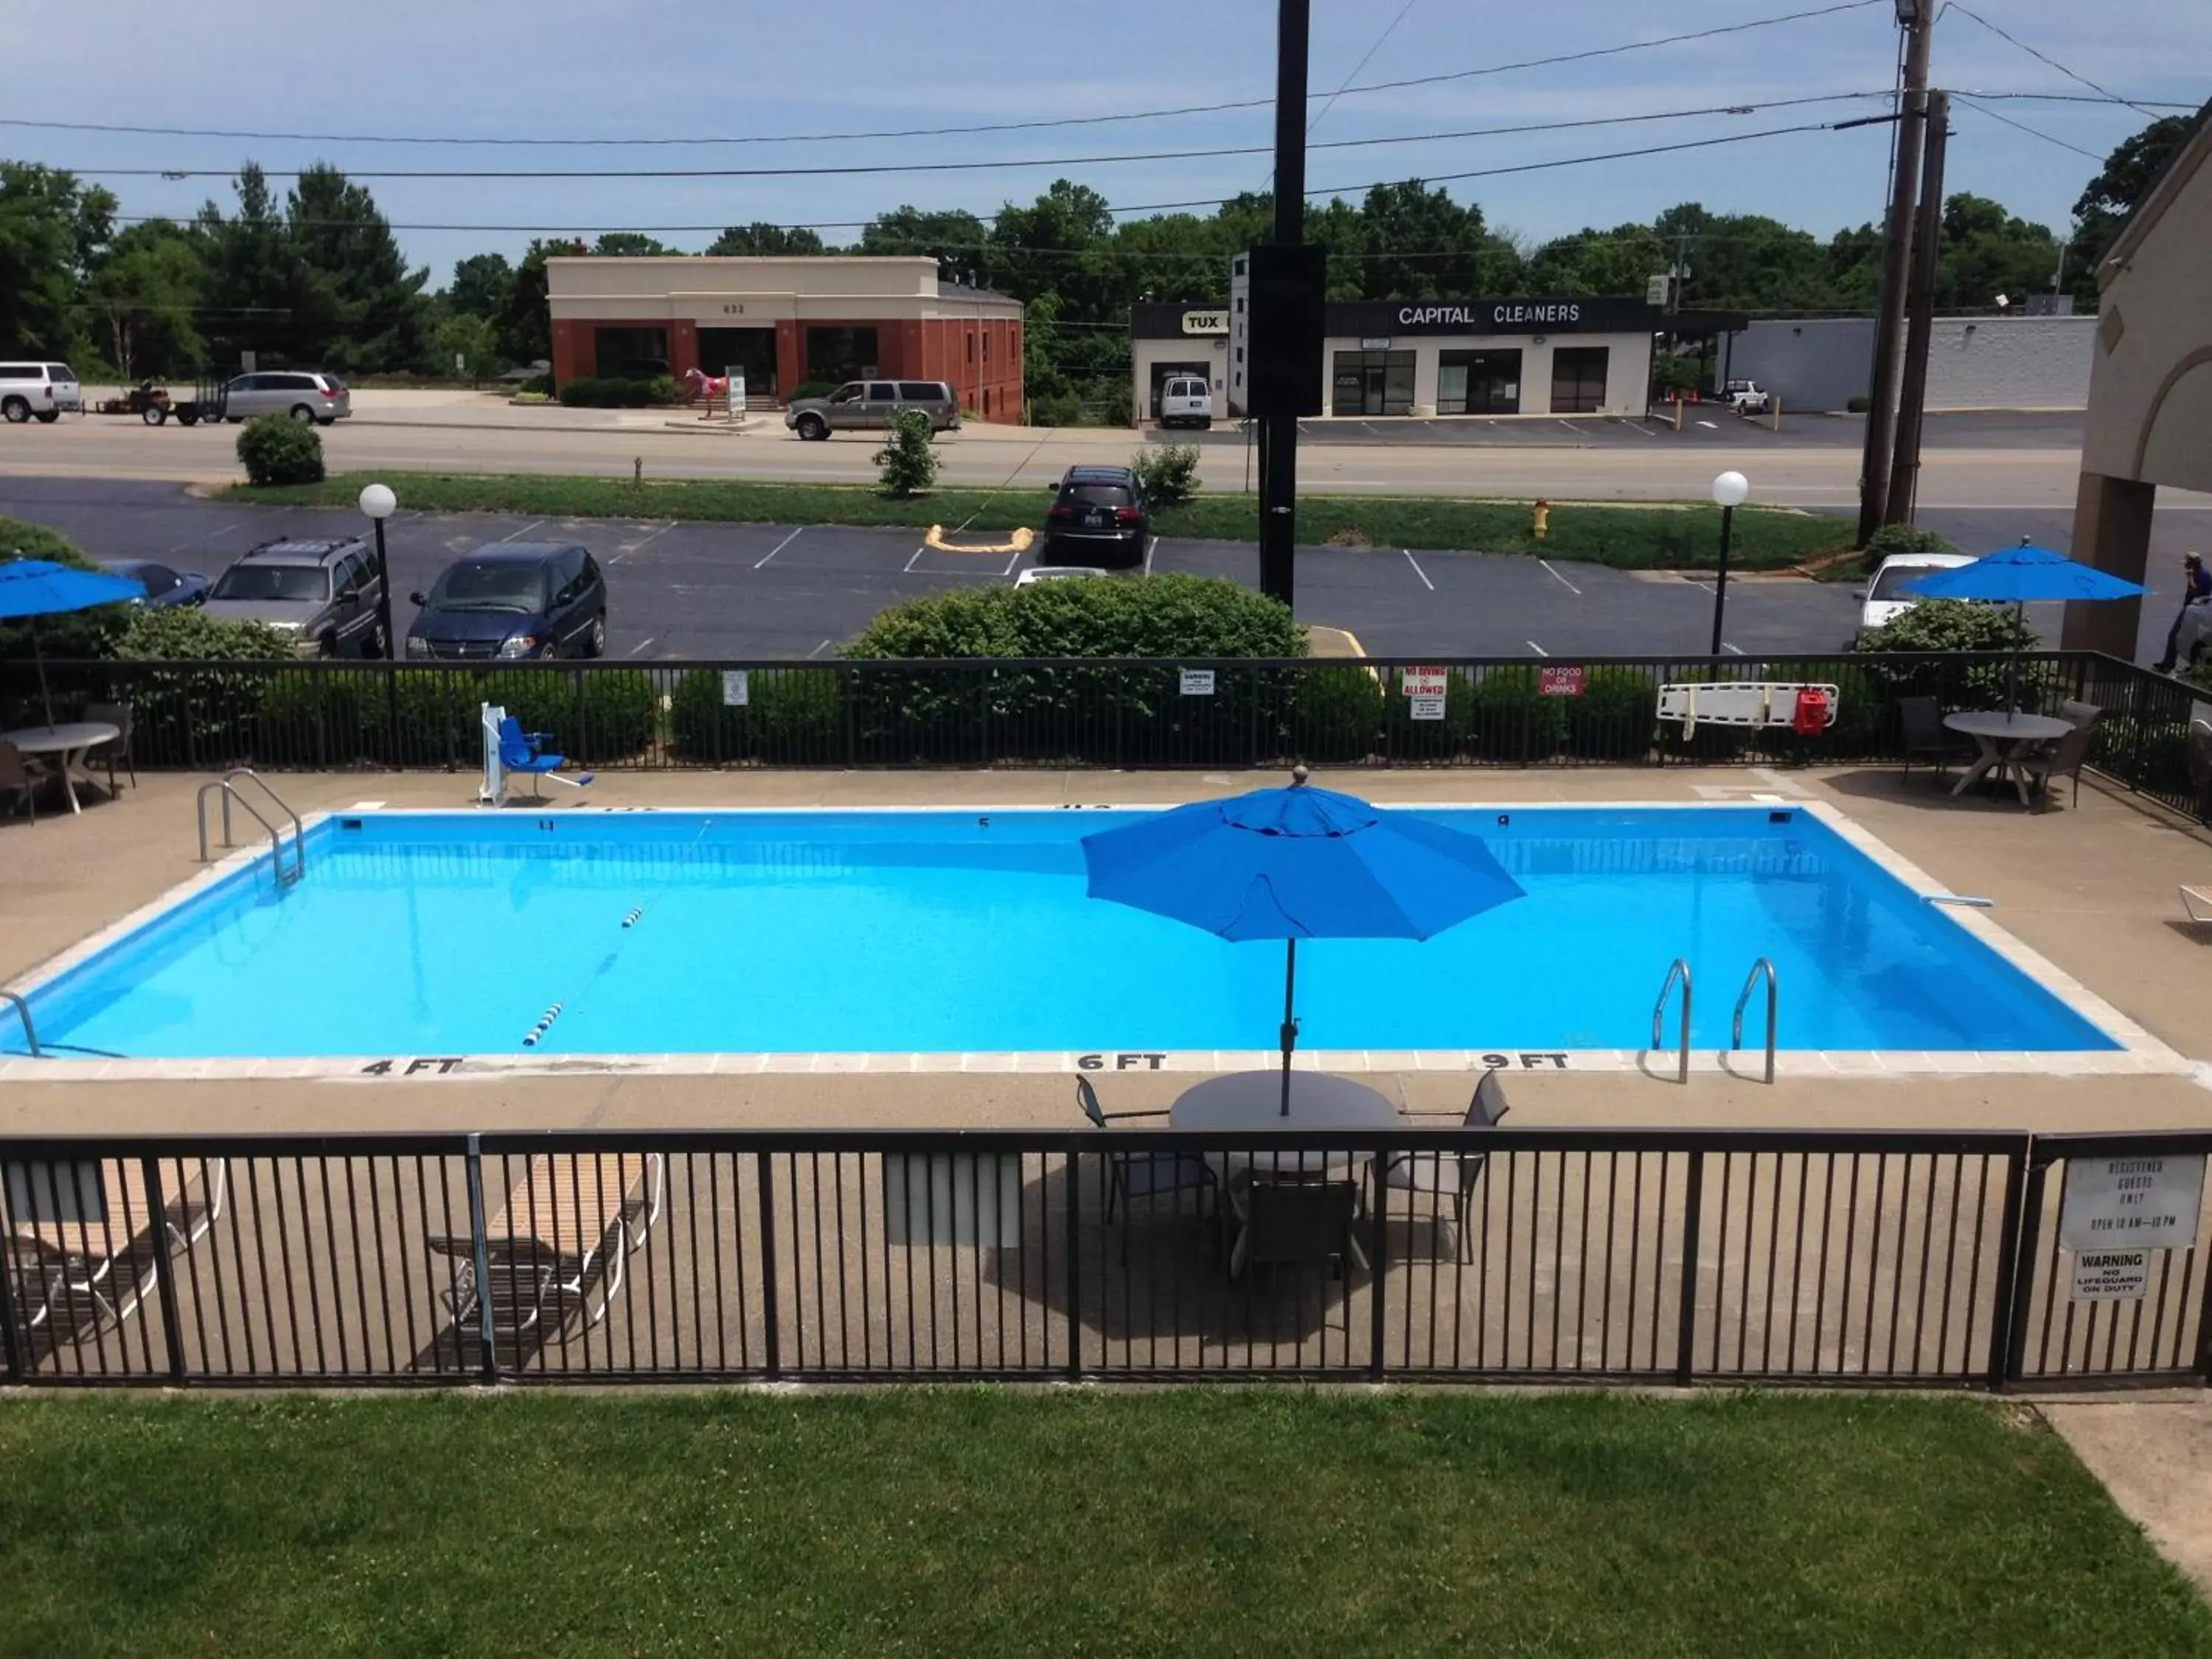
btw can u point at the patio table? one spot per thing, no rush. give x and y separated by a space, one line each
1319 1103
2001 739
68 744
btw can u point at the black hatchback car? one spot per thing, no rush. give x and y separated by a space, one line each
513 600
1098 518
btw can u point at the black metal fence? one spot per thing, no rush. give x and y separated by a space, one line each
1687 1256
1079 712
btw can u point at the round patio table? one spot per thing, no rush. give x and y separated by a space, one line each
1254 1100
68 743
2001 739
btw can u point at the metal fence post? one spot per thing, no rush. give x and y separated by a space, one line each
2204 1330
1075 1265
2019 1297
10 1354
165 1282
1378 1267
774 1344
481 1257
1692 1217
845 676
2001 1281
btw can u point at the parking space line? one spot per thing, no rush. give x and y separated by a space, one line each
1151 548
1418 571
914 560
1537 648
780 545
1572 428
1012 562
621 554
1733 650
1558 578
638 650
209 536
819 649
520 533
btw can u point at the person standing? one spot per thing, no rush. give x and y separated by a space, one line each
2194 618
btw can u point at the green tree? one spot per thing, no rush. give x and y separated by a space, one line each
2107 200
1984 251
483 286
248 288
145 292
355 305
51 227
954 240
1744 262
525 330
1422 244
1621 260
1059 243
630 242
764 240
466 345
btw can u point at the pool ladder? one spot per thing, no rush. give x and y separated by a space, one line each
23 1009
1680 972
227 786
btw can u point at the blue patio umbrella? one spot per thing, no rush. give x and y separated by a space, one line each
1297 863
2021 575
31 588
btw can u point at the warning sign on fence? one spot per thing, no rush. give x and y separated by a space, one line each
2111 1275
1422 682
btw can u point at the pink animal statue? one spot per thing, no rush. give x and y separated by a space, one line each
697 384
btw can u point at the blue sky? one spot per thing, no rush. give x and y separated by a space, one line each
627 69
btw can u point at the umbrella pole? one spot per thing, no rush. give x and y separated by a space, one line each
2012 667
1290 1019
39 657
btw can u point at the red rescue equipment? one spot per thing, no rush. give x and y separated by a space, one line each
1812 717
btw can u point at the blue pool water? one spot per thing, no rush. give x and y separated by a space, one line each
453 933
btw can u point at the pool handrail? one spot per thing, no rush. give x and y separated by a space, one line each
1680 970
23 1009
1766 966
227 785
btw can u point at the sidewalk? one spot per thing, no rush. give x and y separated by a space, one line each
2155 1456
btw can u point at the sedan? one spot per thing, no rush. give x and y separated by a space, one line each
164 586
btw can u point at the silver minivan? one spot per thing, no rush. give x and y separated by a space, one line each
42 389
303 395
868 406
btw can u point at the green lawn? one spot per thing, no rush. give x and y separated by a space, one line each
975 1523
1661 536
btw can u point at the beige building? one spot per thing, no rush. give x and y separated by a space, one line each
2150 385
785 323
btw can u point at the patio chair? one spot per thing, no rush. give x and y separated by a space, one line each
1927 739
84 1235
1132 1175
2064 758
117 749
18 782
557 1244
2196 904
1284 1222
1450 1177
2083 714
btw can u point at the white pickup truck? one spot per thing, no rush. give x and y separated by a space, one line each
1746 397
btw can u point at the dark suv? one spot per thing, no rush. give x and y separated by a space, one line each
323 592
513 600
1097 517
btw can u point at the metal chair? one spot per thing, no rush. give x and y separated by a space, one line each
1926 737
2083 714
117 747
1132 1175
18 780
1292 1223
2064 758
1451 1176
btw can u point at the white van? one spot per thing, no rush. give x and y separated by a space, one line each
42 389
1186 400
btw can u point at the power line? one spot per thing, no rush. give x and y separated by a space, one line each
1980 108
844 169
2044 58
937 132
1352 74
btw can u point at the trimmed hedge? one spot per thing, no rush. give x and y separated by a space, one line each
587 392
275 449
323 718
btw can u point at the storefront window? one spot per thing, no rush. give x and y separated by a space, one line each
1578 380
842 354
630 354
1479 383
1371 383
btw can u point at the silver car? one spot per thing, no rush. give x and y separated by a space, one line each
325 594
868 406
304 396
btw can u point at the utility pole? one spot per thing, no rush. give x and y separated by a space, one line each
1277 425
1918 18
1927 240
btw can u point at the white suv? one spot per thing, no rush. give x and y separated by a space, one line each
42 389
1747 397
1186 400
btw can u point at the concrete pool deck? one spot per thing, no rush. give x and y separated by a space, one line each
2090 888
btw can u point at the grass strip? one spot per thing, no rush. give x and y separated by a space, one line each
980 1522
1659 536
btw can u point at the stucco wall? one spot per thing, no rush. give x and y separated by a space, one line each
1973 362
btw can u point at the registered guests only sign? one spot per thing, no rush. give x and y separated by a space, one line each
2132 1203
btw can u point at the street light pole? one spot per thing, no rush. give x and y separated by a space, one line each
377 503
1730 491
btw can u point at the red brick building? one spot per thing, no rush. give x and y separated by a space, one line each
787 323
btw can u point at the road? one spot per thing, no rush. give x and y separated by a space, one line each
1985 461
765 592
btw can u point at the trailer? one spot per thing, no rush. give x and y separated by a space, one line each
154 405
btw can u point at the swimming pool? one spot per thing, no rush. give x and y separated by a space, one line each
906 933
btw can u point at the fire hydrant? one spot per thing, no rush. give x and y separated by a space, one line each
1543 517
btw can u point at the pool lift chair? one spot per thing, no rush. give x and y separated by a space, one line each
508 748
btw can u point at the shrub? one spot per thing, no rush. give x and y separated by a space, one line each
1613 717
1893 539
813 389
277 449
1337 714
586 392
1174 616
790 717
204 716
79 634
1168 472
1706 741
1513 720
1056 409
1858 404
1409 740
906 464
1957 626
536 385
340 717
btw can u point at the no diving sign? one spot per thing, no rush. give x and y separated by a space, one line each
2111 1275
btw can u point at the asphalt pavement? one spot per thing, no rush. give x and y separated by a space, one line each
777 593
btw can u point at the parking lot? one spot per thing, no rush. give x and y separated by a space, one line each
778 592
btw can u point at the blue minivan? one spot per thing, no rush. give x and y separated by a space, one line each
513 600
